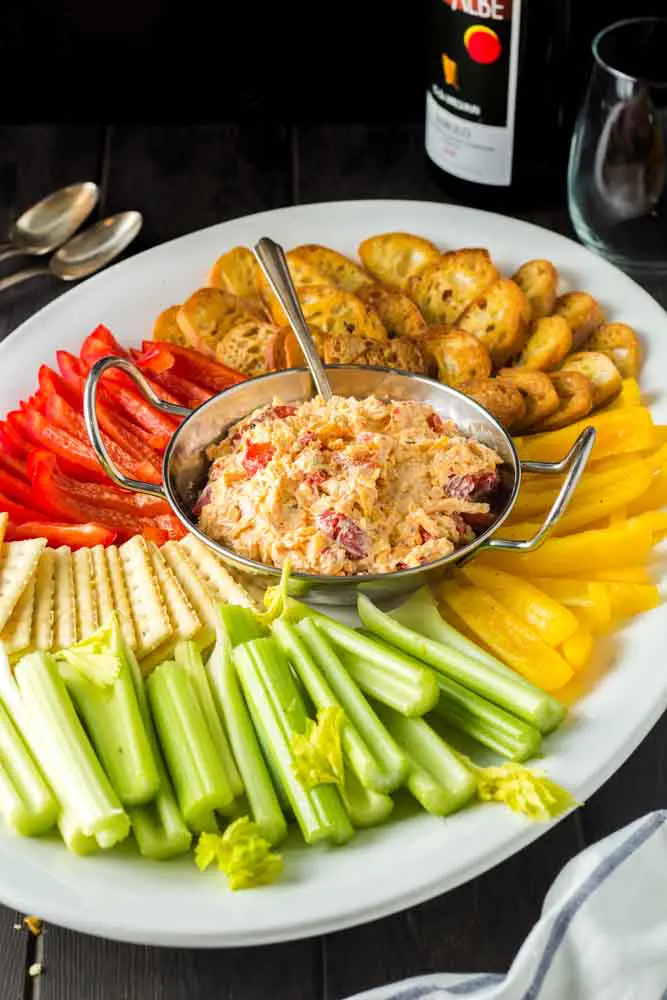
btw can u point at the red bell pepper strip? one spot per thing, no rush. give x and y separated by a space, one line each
192 365
13 465
66 446
51 382
65 505
104 494
16 489
18 513
188 392
100 337
60 413
161 426
76 536
12 443
156 358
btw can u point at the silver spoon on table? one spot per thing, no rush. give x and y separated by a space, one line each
271 257
51 221
89 251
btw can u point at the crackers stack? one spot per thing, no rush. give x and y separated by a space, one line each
51 598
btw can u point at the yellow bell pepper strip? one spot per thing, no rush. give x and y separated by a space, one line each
507 636
659 435
588 600
618 432
656 495
655 521
552 621
578 649
629 599
618 516
619 574
594 505
627 477
630 395
626 544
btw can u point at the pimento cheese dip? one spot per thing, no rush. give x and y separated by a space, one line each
347 486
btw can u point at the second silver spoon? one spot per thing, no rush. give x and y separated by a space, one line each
51 221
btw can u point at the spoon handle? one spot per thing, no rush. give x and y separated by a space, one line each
15 279
272 259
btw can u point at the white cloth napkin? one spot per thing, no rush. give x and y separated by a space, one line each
602 934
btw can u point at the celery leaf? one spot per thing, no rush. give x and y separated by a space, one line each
95 658
242 853
525 791
318 753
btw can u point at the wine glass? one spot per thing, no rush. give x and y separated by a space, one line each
617 178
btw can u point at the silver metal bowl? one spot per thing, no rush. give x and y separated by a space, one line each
185 465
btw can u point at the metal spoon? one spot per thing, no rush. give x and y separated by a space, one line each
51 221
272 260
86 253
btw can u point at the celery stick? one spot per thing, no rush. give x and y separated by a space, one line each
492 726
420 613
438 778
65 754
74 840
506 689
409 675
357 755
200 783
26 802
240 624
113 721
383 687
392 760
278 712
159 829
264 804
187 653
365 807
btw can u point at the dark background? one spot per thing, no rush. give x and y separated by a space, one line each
237 60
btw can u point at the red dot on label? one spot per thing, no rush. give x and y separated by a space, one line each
483 45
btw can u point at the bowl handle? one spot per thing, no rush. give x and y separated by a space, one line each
574 462
93 428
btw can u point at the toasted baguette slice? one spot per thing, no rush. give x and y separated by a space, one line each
620 343
447 286
604 376
236 272
538 280
337 312
401 353
245 347
208 314
303 273
501 399
399 314
395 257
538 393
549 340
334 349
337 268
583 313
166 328
576 400
499 318
455 356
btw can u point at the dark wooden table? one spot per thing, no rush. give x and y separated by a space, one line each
183 178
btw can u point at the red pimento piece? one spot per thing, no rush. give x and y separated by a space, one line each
343 530
425 535
257 456
479 521
435 422
472 487
315 478
202 501
284 410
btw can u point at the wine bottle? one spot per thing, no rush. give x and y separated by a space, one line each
497 100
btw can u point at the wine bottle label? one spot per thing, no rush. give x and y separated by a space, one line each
471 99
